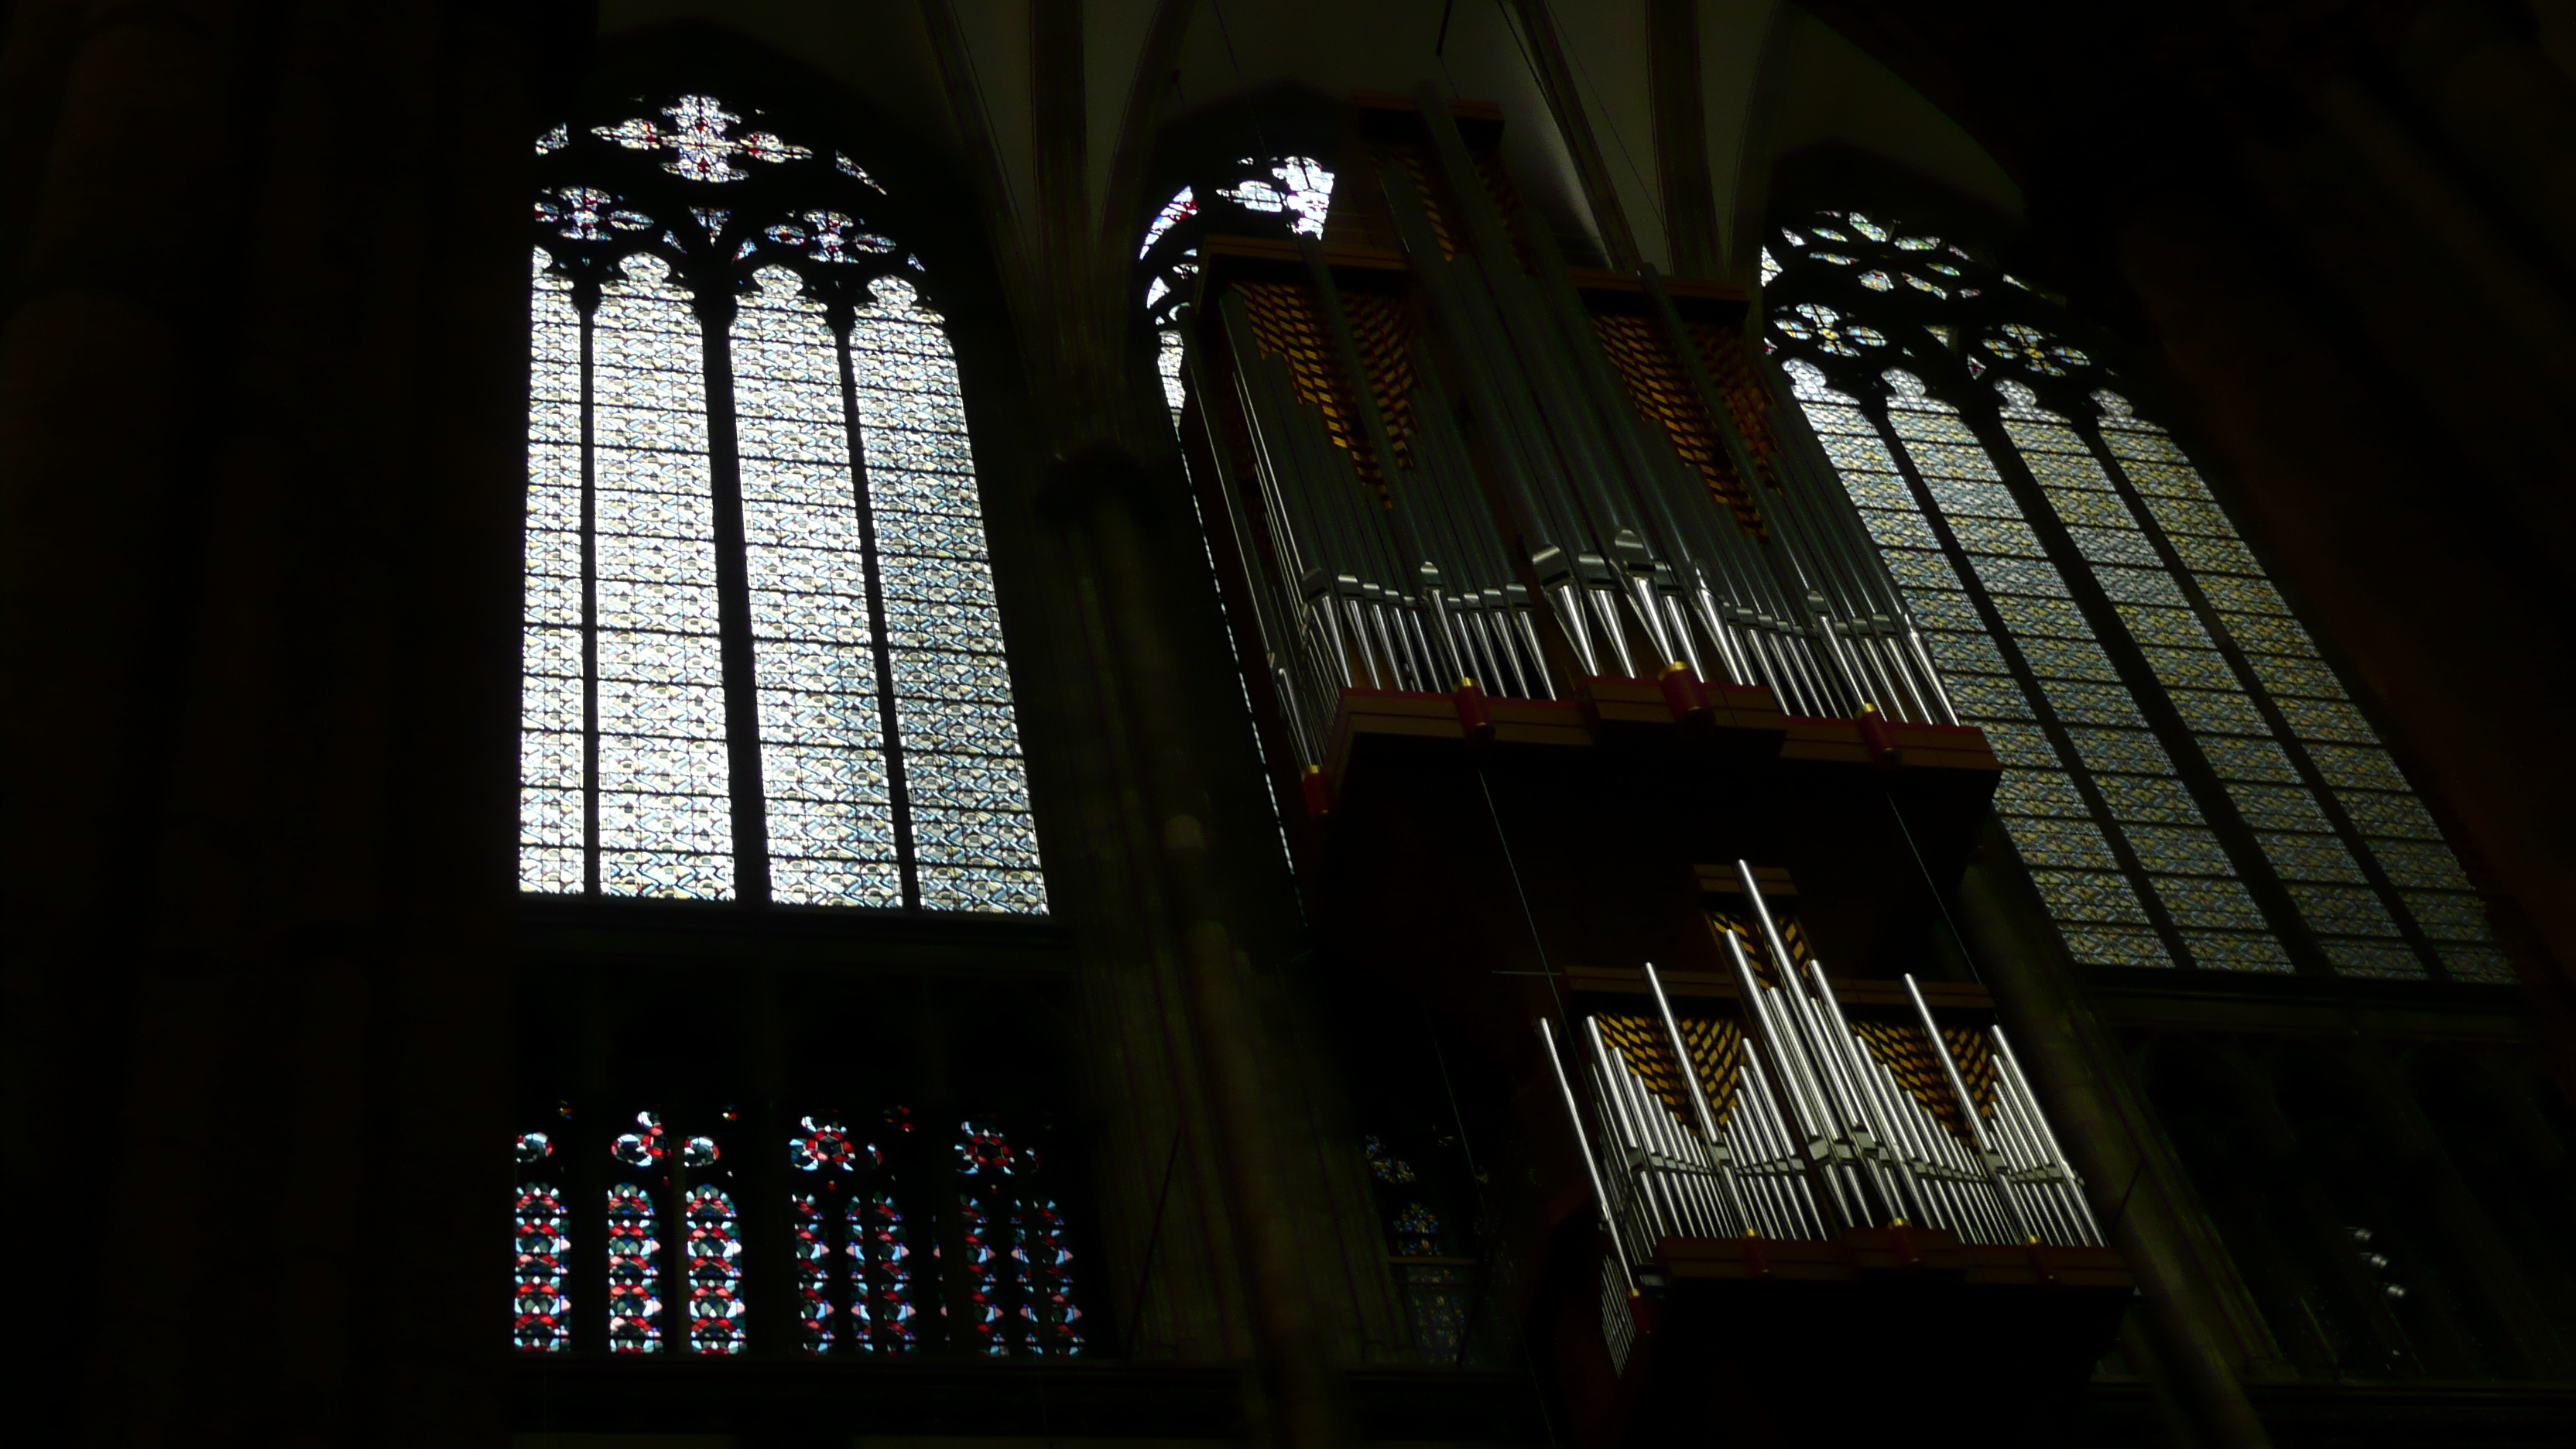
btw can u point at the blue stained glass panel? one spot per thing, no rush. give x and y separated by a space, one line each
668 829
2020 744
2425 864
2020 576
2178 850
2277 807
2077 702
2149 585
2068 658
2327 719
1989 697
2112 545
551 713
2388 960
2237 951
2469 962
2048 843
976 851
2201 902
1919 570
2052 618
2008 536
2039 792
2100 945
2356 767
823 765
2159 799
2104 896
2311 857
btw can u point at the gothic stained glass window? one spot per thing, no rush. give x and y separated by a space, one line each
2173 741
763 658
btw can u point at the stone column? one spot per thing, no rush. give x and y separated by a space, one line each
2206 1334
261 454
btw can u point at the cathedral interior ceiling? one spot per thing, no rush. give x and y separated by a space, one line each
1774 80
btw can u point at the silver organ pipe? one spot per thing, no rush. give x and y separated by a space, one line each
1804 1125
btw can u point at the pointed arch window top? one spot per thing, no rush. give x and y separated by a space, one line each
1298 186
1181 207
699 136
815 211
1255 195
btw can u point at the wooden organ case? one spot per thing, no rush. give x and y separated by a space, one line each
1570 655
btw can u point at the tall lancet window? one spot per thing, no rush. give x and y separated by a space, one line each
763 658
2186 778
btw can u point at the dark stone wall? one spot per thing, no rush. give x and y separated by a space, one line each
261 382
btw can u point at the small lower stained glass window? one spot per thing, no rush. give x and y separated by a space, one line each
540 1313
1019 1267
954 1245
1425 1191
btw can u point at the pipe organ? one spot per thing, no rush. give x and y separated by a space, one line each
1797 1121
1452 468
1558 621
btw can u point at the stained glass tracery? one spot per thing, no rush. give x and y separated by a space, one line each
763 659
2045 534
1297 185
1256 196
697 132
